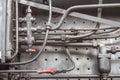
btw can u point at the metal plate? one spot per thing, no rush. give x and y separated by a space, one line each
85 58
55 57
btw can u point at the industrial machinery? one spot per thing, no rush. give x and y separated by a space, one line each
59 39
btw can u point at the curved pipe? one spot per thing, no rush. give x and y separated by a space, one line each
17 33
82 7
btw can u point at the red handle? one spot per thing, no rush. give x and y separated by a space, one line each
52 71
33 50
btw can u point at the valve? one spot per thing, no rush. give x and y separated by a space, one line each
31 50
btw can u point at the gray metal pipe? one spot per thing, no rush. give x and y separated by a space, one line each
60 76
84 7
17 33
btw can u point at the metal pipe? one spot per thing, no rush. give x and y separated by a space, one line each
102 37
83 7
100 9
17 33
75 31
80 36
87 38
90 29
80 29
50 12
103 32
29 37
70 76
84 35
3 31
60 76
8 29
57 43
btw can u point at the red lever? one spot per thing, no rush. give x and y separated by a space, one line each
52 71
33 50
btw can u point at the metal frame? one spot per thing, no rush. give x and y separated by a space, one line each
59 52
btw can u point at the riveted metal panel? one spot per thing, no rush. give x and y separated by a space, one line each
85 58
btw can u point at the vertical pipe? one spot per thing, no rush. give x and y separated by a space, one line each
50 13
29 25
8 29
3 31
100 9
17 33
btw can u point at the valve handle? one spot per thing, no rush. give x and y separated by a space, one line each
31 50
51 71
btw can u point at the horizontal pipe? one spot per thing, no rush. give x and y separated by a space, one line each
57 75
62 76
56 33
18 71
58 43
87 38
80 29
66 44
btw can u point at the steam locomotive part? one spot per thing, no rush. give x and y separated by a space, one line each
59 39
